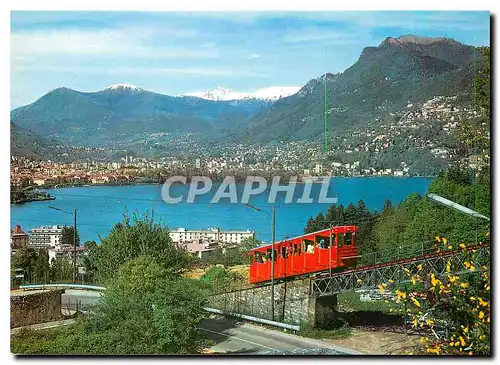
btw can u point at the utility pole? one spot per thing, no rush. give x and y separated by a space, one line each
272 264
74 247
273 216
330 250
326 120
74 238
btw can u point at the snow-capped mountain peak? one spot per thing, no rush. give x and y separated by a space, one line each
275 92
272 93
121 87
217 94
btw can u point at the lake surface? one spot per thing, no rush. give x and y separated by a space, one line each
100 207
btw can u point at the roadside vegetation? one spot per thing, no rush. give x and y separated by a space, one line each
451 313
148 306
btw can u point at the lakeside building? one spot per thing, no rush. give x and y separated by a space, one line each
211 235
45 237
18 239
204 249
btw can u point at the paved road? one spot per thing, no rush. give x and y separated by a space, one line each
42 326
231 336
86 297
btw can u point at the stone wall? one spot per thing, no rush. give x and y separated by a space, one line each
292 303
28 308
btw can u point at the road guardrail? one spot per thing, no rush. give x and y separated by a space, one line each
69 286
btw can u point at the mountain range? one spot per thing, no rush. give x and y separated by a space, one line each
24 142
120 111
384 79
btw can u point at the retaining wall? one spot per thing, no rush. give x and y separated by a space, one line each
28 308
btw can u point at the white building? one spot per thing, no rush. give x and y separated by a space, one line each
47 236
210 235
67 252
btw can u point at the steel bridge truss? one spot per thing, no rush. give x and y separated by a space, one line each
392 273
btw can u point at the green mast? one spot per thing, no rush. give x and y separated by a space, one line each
326 121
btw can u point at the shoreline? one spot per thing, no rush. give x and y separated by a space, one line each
33 200
315 180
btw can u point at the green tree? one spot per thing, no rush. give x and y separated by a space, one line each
139 237
61 269
147 309
309 226
320 222
67 236
90 260
365 221
33 262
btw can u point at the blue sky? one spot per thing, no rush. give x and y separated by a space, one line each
175 53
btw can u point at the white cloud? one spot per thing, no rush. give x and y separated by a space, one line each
315 34
276 91
255 55
134 42
139 70
212 72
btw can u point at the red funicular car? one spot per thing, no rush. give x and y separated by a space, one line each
330 248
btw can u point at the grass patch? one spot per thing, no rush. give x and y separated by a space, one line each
51 341
350 302
316 333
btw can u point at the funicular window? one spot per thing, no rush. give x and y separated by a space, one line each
284 252
269 254
323 242
340 238
260 257
348 238
308 246
296 249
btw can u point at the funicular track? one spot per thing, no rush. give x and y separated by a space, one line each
370 276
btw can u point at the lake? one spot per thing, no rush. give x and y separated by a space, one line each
100 207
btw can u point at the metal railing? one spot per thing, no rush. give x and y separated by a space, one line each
254 319
395 253
71 307
65 285
371 276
